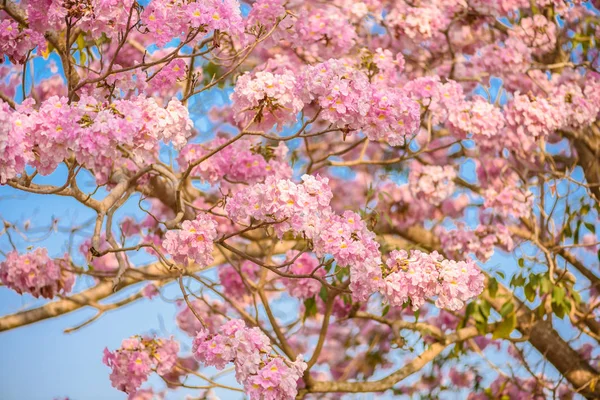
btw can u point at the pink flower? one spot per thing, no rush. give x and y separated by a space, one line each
234 286
193 242
13 144
36 273
420 276
210 312
267 98
392 117
132 364
431 182
303 288
537 32
243 161
262 374
276 380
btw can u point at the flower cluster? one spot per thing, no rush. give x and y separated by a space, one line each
166 20
531 116
265 13
419 276
510 201
302 264
133 362
392 117
98 17
433 183
12 146
105 263
234 282
168 75
36 273
93 131
347 238
324 31
480 241
288 205
537 32
263 375
15 43
479 118
441 99
305 209
580 106
242 161
266 99
193 242
418 23
350 101
210 312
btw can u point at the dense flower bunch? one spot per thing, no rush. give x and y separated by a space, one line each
263 375
532 117
418 23
12 146
193 242
341 91
265 13
350 101
166 20
347 238
235 282
105 263
15 42
93 131
137 357
509 202
480 241
305 209
479 118
317 23
266 98
36 273
392 117
207 309
432 183
243 161
288 205
537 32
303 264
96 16
418 276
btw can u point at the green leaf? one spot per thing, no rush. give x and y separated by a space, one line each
558 295
323 293
493 287
310 306
521 263
545 285
517 280
505 327
590 227
485 309
529 292
507 308
558 310
386 309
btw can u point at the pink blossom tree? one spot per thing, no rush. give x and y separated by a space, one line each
391 194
